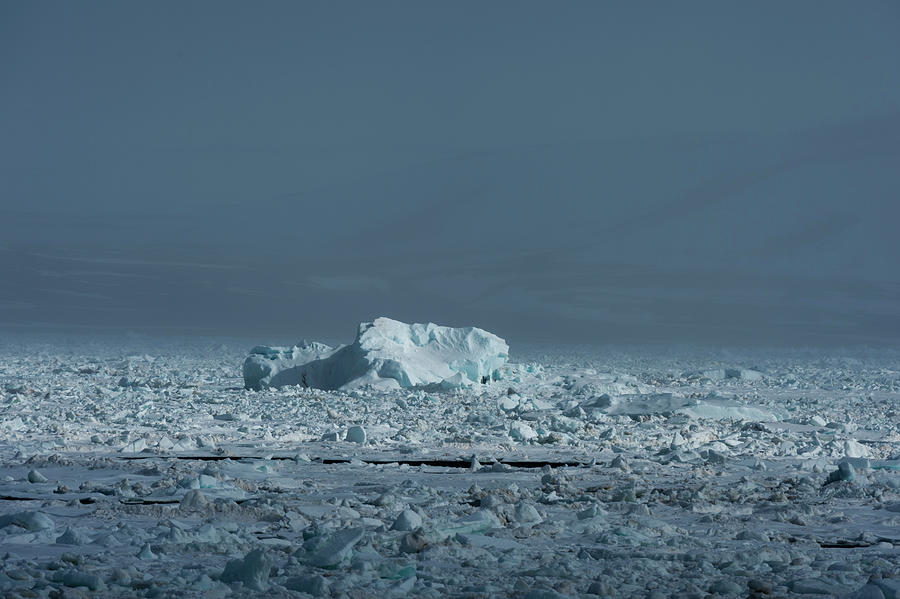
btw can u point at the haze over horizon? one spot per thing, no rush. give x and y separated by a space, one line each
579 172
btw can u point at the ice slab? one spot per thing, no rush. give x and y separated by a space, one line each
30 521
721 374
336 548
712 408
386 354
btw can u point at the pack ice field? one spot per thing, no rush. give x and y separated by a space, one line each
428 461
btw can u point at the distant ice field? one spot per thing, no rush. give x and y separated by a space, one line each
142 467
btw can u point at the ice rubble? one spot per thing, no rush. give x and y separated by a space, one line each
386 354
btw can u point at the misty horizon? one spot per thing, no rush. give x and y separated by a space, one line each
575 174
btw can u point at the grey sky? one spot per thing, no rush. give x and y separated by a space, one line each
572 171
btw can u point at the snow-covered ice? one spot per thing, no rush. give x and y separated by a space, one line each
146 468
386 353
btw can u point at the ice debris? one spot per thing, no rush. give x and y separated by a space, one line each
387 354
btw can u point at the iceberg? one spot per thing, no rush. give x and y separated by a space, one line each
264 364
386 354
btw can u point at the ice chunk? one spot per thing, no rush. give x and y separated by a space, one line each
252 570
544 594
407 520
194 500
750 375
726 587
476 522
869 591
387 354
890 587
356 434
455 381
337 548
845 471
509 402
648 403
485 542
855 449
30 521
815 586
36 477
525 513
72 537
592 511
74 578
724 410
721 374
13 424
521 431
136 446
413 542
817 420
317 586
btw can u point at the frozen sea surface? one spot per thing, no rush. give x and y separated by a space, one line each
139 467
